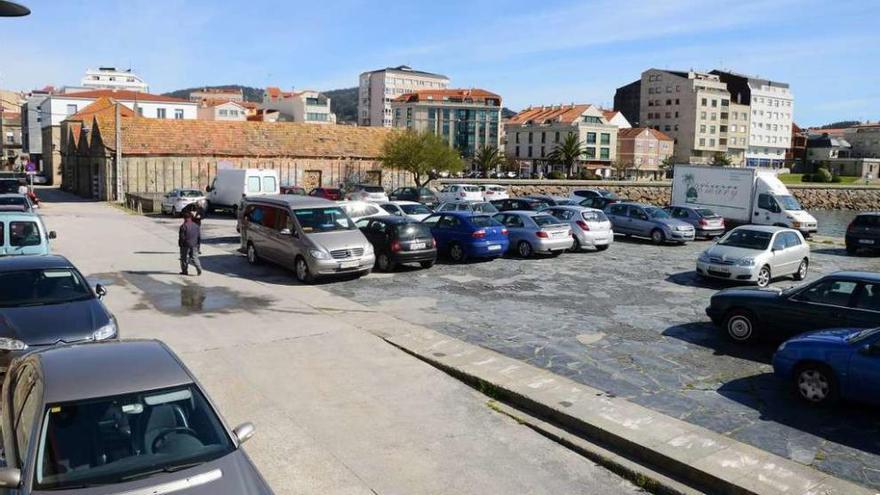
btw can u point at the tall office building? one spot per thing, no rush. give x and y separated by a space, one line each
379 88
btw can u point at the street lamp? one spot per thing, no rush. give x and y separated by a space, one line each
11 9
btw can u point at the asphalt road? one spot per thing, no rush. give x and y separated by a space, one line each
629 321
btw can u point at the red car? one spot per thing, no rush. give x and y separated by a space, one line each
327 193
293 190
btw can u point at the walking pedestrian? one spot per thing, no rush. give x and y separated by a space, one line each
188 241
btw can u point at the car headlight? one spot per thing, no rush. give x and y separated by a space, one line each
795 224
704 257
105 332
7 344
682 228
318 254
368 249
745 262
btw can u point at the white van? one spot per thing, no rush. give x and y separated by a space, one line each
232 184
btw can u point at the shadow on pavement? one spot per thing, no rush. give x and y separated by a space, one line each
55 195
850 424
691 279
232 239
233 265
706 335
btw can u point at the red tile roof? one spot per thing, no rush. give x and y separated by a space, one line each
478 95
609 114
558 113
632 133
122 94
213 102
103 108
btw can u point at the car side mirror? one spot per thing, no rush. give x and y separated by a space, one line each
244 432
10 477
101 291
869 350
285 232
52 234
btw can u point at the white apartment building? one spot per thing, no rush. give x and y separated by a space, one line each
378 88
111 78
222 110
307 106
228 94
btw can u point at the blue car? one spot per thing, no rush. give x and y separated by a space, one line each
23 233
463 235
830 364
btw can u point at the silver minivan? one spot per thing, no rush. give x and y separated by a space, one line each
311 236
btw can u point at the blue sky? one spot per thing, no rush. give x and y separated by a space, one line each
547 52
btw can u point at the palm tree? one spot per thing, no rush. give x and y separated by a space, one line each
488 158
568 152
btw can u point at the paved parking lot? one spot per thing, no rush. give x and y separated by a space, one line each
629 321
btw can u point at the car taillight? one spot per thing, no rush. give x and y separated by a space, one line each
479 234
395 246
435 243
722 222
583 225
542 234
503 231
704 222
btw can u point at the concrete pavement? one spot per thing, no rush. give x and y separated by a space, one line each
338 411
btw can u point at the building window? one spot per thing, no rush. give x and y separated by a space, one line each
556 138
591 138
222 112
530 151
604 154
517 151
703 129
140 111
703 115
702 141
517 142
605 139
530 142
711 129
677 101
668 115
590 153
704 102
178 113
160 113
711 142
71 109
543 140
676 114
714 116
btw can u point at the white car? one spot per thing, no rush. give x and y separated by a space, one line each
460 192
756 254
174 202
589 226
357 210
411 209
494 191
367 192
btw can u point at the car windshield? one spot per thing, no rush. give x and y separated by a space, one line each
313 220
409 231
13 201
470 188
537 204
485 208
864 334
373 189
655 212
788 203
496 189
416 209
749 239
41 287
867 220
8 186
190 193
484 221
705 212
594 216
125 437
543 220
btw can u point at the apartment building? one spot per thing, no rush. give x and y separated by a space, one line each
772 107
221 110
307 106
797 152
217 94
628 101
643 150
738 133
10 145
468 119
112 78
534 133
378 88
31 125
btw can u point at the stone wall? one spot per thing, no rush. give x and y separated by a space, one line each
811 197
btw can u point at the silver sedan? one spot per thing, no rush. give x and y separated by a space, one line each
756 254
590 227
535 232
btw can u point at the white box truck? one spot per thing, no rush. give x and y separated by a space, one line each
740 195
232 184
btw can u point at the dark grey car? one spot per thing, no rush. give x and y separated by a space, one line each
648 221
863 232
44 300
118 417
706 222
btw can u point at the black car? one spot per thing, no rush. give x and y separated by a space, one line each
9 186
863 232
418 194
398 240
521 204
44 300
600 202
594 193
842 299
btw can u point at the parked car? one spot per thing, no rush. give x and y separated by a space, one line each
462 235
297 190
648 221
460 192
312 236
520 204
366 192
23 233
399 239
590 227
840 363
422 195
232 184
471 206
863 232
533 232
326 193
96 423
9 185
361 209
175 201
494 191
599 202
15 203
411 209
707 223
842 299
44 301
552 200
756 254
582 194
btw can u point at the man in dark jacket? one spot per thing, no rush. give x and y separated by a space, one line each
188 241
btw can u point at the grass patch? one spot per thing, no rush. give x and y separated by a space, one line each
798 179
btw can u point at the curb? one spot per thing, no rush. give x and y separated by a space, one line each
680 457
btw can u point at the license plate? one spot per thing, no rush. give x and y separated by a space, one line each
720 269
866 241
558 234
494 247
349 264
417 245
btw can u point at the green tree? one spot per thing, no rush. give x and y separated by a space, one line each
488 159
424 155
720 160
620 168
667 163
567 153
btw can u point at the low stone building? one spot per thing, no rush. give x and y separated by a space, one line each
156 156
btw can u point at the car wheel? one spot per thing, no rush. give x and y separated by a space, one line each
252 256
426 264
235 211
173 211
576 246
524 249
657 236
801 272
764 276
384 263
302 272
456 252
209 208
740 326
815 383
603 247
